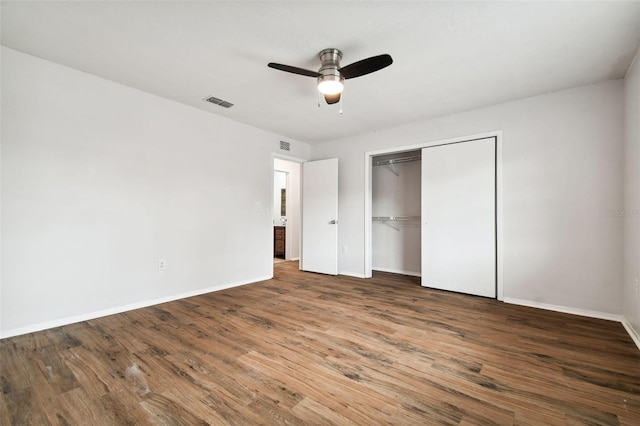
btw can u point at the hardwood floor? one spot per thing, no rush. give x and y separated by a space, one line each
310 349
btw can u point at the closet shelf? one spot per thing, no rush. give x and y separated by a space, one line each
394 218
397 160
391 163
390 221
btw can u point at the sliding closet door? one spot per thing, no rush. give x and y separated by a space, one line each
459 217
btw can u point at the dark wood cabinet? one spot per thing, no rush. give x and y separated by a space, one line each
279 234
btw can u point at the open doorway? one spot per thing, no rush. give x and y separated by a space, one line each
279 215
286 210
395 205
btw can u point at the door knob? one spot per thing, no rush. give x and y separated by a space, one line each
333 222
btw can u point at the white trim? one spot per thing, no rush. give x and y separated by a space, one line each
117 310
582 312
635 336
398 271
368 250
368 227
421 145
564 309
352 274
499 219
288 158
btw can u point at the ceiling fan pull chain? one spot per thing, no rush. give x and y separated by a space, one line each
319 96
341 98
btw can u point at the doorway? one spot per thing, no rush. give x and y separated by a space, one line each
496 137
396 213
286 210
280 179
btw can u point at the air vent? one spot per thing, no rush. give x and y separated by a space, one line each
220 102
285 146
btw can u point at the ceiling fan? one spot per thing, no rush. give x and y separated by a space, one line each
331 76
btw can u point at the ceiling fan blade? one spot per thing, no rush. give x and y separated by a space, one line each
332 99
293 70
366 66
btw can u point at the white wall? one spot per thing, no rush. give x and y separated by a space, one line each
294 214
396 250
562 166
630 215
100 181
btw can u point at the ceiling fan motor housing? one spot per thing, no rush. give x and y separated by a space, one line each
330 81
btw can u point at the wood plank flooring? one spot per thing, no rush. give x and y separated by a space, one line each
310 349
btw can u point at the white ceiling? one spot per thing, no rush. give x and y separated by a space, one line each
448 56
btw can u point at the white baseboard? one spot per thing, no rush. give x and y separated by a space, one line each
351 274
565 309
119 309
635 336
398 271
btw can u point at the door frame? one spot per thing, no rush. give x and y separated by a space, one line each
368 196
279 156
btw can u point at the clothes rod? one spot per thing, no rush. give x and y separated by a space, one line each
396 160
394 218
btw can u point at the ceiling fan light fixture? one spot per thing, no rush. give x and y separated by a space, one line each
330 84
331 76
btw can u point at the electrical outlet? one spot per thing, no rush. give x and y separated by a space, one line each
162 264
345 249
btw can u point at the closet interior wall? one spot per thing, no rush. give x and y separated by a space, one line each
396 214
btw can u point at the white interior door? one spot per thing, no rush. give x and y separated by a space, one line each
320 216
459 217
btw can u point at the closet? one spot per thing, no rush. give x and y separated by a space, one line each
396 212
434 214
